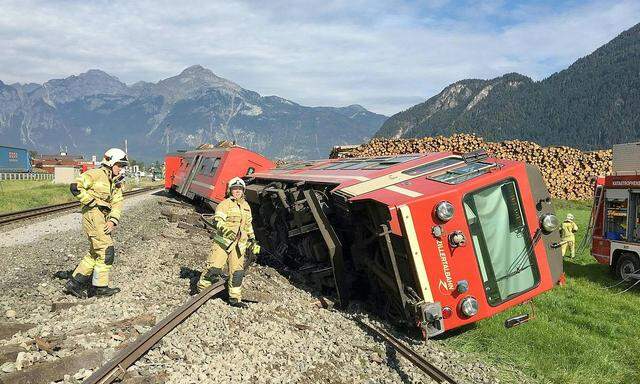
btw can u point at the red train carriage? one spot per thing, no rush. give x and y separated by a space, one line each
615 215
439 240
204 173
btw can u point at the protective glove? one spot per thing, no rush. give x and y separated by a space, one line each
255 247
228 233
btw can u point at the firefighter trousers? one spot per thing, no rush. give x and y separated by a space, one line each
97 263
215 264
569 244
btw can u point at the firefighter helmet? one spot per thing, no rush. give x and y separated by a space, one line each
570 217
234 183
115 156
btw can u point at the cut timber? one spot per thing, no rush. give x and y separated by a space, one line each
54 370
568 172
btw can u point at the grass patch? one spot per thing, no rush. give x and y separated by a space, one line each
583 332
18 195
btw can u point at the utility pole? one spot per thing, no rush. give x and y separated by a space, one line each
126 150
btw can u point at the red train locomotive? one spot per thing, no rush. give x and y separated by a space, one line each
437 240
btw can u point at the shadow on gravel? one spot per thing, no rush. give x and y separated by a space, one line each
394 363
193 276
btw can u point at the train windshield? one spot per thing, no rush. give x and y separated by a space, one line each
501 241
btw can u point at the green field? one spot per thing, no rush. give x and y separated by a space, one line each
17 195
583 332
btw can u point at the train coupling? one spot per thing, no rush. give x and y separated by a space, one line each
432 322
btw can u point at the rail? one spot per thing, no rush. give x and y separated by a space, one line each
117 366
11 217
417 360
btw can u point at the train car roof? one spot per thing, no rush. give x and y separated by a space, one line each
390 179
205 150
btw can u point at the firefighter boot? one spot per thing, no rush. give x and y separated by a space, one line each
102 291
75 286
237 303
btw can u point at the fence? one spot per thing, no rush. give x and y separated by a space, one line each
25 176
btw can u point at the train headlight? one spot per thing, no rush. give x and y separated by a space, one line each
469 306
444 210
549 222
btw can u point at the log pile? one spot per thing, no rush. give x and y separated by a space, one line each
568 172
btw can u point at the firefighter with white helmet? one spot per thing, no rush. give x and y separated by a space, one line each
99 191
567 232
234 236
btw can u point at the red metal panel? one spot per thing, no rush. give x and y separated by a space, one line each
171 163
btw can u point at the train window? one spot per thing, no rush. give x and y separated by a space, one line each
501 241
466 172
361 165
293 166
393 161
205 164
214 166
433 166
369 163
342 165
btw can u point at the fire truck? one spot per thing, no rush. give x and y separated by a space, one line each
433 240
615 215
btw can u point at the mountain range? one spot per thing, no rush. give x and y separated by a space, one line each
592 104
94 110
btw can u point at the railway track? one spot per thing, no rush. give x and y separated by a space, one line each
7 218
117 366
416 359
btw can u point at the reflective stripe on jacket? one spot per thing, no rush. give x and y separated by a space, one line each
96 187
234 215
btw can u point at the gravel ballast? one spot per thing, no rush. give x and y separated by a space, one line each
285 336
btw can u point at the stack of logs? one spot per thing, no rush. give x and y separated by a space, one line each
569 172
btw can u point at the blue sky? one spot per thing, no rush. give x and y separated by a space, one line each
385 56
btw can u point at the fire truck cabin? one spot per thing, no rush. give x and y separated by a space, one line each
616 214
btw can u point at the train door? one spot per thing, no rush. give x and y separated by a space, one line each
191 174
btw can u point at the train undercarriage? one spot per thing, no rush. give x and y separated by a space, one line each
342 249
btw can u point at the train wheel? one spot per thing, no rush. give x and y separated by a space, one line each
627 265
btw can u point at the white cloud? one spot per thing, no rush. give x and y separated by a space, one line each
385 56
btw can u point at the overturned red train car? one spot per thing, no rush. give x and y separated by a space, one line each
203 174
437 240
